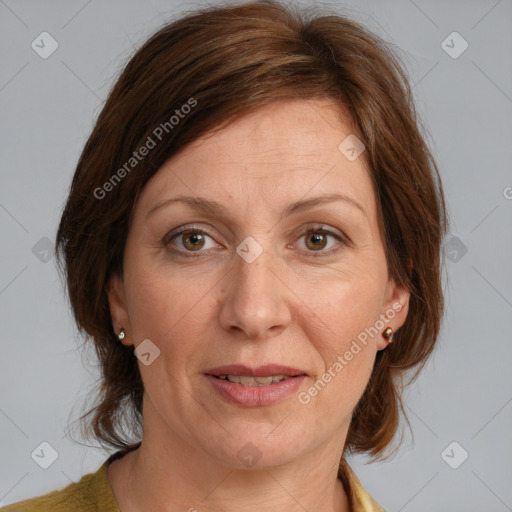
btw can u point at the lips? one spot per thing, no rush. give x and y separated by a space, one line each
250 387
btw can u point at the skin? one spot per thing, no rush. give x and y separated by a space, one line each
288 307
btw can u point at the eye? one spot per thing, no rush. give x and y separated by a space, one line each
317 239
189 240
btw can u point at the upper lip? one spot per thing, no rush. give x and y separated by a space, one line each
260 371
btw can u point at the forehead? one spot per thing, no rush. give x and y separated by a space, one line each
288 129
283 151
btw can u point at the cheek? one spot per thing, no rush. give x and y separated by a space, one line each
339 326
173 310
342 309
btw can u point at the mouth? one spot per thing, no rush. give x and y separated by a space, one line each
255 376
244 380
259 386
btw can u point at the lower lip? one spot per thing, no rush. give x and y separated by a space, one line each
255 396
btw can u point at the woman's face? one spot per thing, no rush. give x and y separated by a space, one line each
272 271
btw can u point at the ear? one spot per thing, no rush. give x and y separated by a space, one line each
118 309
395 309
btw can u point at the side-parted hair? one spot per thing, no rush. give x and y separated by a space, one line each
194 76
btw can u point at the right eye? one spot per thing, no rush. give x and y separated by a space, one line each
189 240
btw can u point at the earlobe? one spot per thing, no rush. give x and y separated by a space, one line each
117 304
394 314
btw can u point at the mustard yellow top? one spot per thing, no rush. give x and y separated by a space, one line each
94 494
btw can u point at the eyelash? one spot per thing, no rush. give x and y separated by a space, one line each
312 230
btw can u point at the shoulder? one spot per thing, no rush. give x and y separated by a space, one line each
91 493
55 501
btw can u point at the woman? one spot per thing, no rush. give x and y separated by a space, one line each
252 242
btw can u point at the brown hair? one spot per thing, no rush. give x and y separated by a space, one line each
225 61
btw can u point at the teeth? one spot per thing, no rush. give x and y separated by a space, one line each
264 380
254 381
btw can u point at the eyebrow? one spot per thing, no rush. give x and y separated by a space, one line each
213 207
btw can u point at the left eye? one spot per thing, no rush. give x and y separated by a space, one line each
317 239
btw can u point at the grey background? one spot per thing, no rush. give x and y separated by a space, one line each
464 394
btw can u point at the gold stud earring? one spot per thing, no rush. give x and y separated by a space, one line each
121 335
388 334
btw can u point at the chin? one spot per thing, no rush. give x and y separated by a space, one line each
257 447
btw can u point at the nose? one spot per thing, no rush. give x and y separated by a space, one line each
256 301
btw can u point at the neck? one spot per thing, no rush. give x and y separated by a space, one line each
168 474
